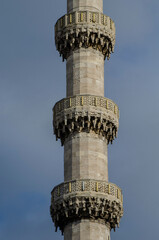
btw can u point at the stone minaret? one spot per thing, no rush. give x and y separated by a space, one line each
86 206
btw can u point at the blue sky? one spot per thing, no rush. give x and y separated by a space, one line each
33 78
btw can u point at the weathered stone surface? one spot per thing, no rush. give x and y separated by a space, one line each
85 29
86 199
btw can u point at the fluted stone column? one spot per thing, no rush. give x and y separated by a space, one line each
86 206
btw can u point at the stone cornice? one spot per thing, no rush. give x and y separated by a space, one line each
85 29
85 113
86 199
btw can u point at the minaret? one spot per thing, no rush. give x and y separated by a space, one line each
86 206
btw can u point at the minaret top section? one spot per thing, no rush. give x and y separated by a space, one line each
84 5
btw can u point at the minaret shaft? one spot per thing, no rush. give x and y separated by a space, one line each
84 5
85 72
85 67
86 230
86 206
85 157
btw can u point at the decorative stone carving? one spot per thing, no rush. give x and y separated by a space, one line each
86 199
87 185
86 113
85 29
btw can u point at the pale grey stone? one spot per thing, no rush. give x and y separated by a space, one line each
86 206
80 5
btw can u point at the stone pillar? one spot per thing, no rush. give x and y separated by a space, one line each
86 206
84 5
85 157
85 73
86 230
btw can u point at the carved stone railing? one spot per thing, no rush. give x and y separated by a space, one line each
87 100
86 113
89 199
86 185
85 29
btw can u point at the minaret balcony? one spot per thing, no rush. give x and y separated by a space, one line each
85 114
86 199
85 29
